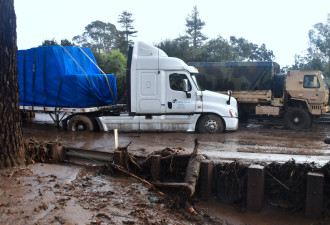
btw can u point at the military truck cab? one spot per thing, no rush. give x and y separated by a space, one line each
308 87
307 95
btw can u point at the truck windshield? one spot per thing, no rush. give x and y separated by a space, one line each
195 81
324 83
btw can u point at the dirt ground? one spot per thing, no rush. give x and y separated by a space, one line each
71 194
63 193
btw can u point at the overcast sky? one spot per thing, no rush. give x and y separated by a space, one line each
282 25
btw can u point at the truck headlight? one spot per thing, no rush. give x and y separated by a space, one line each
233 113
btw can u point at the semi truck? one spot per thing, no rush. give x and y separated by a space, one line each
260 89
162 92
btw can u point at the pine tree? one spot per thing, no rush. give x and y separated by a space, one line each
126 22
194 26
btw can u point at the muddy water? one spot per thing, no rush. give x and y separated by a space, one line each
262 141
253 141
268 216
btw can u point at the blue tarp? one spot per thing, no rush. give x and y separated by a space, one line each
48 76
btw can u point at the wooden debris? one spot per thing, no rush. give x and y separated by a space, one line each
192 171
129 159
36 152
136 177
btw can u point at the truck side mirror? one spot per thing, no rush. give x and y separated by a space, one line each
229 93
185 85
185 88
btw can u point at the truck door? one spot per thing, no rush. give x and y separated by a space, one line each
179 101
312 91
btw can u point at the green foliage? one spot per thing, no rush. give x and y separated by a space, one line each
309 63
114 63
126 22
66 42
100 36
49 42
247 51
176 48
220 50
318 53
194 26
216 50
319 37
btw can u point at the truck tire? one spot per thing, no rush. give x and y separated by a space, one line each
297 119
81 123
243 117
210 124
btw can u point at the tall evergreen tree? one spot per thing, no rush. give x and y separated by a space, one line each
126 22
11 139
194 26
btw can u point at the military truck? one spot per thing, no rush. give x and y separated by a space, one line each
262 90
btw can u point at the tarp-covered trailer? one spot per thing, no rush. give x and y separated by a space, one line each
57 79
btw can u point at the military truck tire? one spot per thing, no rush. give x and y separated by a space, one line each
81 123
297 119
210 124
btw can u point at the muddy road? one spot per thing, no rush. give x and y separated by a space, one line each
72 194
255 141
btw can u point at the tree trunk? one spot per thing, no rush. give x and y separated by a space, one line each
11 140
329 67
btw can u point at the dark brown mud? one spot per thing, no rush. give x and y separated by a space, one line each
59 194
250 140
255 141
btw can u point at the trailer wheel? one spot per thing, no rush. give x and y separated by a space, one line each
210 124
297 119
81 123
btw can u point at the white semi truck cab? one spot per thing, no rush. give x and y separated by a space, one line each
164 96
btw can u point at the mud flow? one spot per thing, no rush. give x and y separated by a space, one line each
63 193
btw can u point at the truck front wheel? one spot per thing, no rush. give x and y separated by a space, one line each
81 123
210 124
297 119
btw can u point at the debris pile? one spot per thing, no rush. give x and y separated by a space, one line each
36 151
285 184
42 152
230 182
